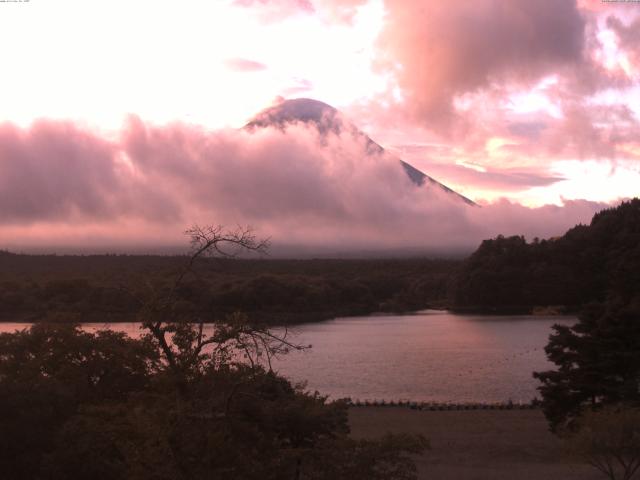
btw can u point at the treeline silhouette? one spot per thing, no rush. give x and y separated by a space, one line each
105 288
590 263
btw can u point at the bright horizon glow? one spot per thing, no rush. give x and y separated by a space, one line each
165 61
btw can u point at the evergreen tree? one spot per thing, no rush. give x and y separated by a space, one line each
598 362
587 264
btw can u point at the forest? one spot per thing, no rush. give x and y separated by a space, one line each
105 288
504 275
589 263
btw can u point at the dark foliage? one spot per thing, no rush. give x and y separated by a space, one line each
104 406
598 363
105 288
589 263
48 372
180 403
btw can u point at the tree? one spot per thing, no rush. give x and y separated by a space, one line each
609 440
185 401
47 372
588 263
179 333
598 362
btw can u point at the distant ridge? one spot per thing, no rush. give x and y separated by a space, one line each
328 119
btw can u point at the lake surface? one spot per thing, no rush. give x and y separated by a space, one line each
430 356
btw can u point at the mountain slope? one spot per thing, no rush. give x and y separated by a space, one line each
328 119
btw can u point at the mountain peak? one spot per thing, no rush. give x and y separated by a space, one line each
328 119
306 110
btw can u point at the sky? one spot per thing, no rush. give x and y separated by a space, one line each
119 120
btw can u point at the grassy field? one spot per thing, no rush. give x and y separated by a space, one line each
477 444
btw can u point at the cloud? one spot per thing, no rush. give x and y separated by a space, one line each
628 35
530 129
62 185
57 171
276 10
533 72
341 11
301 85
333 11
514 87
595 131
438 50
489 178
244 65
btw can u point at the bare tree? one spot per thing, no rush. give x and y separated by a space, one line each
185 344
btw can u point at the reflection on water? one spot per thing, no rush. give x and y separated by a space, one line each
432 356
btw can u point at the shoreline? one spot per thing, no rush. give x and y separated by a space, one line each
445 406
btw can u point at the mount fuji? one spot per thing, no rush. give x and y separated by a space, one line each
328 119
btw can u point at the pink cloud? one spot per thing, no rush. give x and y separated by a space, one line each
276 10
341 11
62 185
438 50
57 171
300 86
334 11
244 65
496 179
454 69
628 34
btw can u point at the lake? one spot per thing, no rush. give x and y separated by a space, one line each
429 356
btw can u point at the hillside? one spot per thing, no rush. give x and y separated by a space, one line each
588 263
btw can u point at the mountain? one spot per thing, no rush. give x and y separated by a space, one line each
328 119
